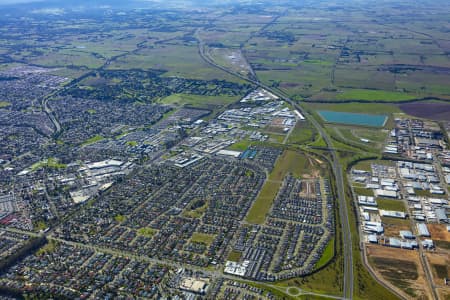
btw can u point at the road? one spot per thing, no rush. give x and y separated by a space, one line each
342 204
337 170
343 211
423 260
50 115
142 258
348 270
369 268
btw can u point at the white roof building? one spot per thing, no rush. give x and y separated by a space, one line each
423 230
385 193
392 214
235 268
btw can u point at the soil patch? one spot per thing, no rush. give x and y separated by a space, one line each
401 268
439 232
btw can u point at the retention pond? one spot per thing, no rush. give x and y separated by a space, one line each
353 118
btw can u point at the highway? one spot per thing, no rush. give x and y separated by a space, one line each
44 102
337 170
50 115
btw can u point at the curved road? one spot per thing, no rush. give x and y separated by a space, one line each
337 170
51 116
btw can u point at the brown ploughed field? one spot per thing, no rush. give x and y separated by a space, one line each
432 110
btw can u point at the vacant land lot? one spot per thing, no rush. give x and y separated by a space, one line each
147 232
399 267
388 204
303 132
361 137
439 232
392 226
440 263
202 238
234 256
327 254
198 100
363 191
262 204
289 162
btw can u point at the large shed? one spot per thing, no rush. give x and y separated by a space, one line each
423 230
